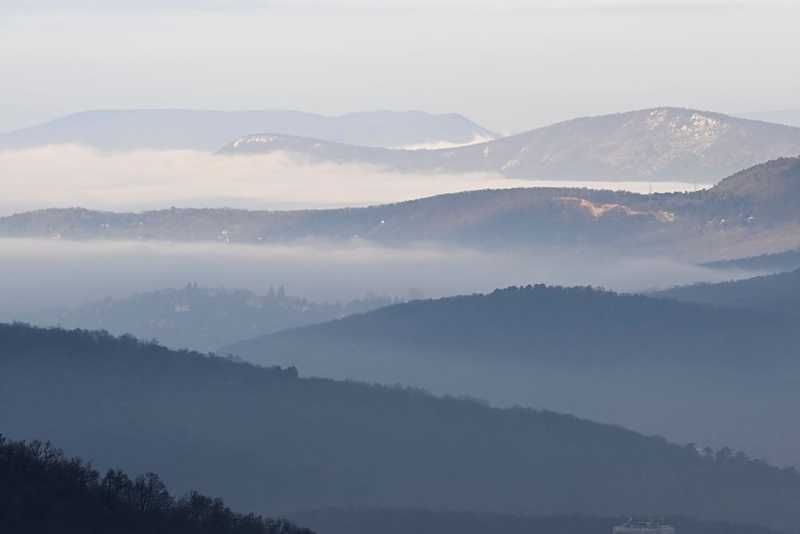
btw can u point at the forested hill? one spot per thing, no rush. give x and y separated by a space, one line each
42 491
266 440
749 213
575 350
775 293
538 323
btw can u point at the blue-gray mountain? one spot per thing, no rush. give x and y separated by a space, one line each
776 293
266 440
754 211
647 145
688 371
784 261
208 130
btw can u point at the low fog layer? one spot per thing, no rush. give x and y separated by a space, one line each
38 274
68 175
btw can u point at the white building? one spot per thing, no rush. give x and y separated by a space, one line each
644 526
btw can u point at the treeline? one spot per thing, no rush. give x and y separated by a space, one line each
42 491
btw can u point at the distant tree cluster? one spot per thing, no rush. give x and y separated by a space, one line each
42 491
202 318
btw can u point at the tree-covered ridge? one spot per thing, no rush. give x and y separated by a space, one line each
776 293
541 323
42 491
731 213
266 440
696 372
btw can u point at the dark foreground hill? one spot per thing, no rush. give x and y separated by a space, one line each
265 439
393 521
688 371
652 144
752 212
44 492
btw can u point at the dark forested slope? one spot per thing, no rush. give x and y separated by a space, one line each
688 371
42 491
541 323
267 440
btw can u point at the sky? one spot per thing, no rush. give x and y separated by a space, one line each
512 67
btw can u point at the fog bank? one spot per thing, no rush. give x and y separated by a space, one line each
70 175
36 274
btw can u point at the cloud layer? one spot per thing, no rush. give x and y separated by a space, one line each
67 175
43 273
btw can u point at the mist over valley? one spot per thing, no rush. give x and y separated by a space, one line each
441 267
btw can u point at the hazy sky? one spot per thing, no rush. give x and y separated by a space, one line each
514 67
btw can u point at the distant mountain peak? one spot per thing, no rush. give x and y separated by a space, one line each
663 143
207 130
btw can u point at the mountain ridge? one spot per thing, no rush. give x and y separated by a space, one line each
674 144
300 443
207 130
724 220
578 350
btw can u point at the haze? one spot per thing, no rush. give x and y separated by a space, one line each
67 176
511 67
47 274
399 266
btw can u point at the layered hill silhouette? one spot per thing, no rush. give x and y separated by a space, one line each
777 293
208 130
43 491
688 371
788 260
266 440
755 210
653 144
548 324
201 318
